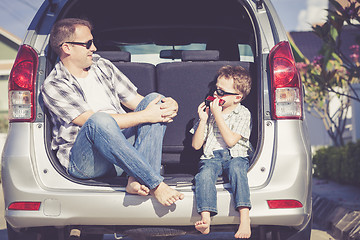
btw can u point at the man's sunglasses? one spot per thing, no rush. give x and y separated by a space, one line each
221 93
85 44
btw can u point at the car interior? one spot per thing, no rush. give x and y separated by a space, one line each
176 49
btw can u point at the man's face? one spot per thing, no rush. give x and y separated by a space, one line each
80 56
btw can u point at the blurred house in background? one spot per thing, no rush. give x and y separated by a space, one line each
9 45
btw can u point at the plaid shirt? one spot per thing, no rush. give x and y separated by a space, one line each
65 100
239 121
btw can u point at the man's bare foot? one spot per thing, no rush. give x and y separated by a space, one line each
166 195
134 187
244 230
203 225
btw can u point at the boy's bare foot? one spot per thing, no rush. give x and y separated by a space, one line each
203 225
244 230
166 195
134 187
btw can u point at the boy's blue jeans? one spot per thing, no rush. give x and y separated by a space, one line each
210 169
103 149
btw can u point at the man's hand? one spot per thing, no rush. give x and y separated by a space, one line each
170 108
161 112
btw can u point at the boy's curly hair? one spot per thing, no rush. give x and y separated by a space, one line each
241 77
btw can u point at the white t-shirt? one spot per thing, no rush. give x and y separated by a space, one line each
95 94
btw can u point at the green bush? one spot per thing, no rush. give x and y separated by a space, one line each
4 124
340 164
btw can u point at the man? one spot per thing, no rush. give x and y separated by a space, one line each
93 135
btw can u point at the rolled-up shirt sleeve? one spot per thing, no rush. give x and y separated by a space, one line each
242 124
120 84
61 99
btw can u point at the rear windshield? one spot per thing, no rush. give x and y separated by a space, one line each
145 28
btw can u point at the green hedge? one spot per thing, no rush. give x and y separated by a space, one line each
4 123
341 164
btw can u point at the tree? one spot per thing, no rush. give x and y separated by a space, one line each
329 78
330 107
331 50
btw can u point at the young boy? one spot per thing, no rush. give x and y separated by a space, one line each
224 130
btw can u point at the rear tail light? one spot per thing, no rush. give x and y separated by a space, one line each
284 203
286 93
22 85
25 206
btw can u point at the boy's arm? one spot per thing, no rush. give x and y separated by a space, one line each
199 135
198 138
230 137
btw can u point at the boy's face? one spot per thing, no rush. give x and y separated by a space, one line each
227 87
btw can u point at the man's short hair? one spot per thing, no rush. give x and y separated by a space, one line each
63 31
241 77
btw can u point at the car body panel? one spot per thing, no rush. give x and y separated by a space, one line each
281 168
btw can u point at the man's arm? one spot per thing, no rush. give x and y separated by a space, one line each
134 102
168 105
153 113
82 118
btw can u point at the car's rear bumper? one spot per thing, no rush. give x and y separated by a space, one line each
68 203
115 207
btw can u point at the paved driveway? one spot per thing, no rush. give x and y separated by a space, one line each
3 233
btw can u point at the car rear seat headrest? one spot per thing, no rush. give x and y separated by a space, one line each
200 55
115 56
170 54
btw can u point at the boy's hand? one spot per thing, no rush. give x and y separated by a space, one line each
215 107
203 112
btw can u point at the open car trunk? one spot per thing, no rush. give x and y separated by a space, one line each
153 43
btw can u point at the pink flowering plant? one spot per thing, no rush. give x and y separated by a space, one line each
316 79
331 51
332 73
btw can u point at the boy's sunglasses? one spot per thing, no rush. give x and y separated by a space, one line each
85 44
221 93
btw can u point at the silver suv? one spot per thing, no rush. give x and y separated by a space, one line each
175 48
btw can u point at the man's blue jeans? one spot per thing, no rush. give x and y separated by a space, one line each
210 169
101 147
